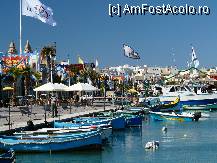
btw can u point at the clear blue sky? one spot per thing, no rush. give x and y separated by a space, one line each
85 28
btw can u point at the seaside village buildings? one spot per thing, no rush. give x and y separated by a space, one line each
43 65
158 75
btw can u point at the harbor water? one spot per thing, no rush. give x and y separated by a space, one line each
183 142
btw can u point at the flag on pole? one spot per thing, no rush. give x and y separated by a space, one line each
35 9
97 63
188 64
130 53
80 61
194 59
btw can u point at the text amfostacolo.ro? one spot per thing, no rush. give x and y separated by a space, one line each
145 9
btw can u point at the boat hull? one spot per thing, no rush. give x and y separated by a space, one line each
118 123
52 144
106 129
192 100
158 116
209 107
134 121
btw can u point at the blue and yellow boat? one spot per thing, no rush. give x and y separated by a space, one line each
182 117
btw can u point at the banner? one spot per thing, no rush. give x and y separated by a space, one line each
130 53
35 9
14 61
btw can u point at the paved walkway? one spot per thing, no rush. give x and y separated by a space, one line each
20 115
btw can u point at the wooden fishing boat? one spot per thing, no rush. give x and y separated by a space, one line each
208 107
105 128
163 107
117 122
132 118
182 117
171 104
50 142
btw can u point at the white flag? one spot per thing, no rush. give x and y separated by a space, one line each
194 59
97 63
130 53
35 9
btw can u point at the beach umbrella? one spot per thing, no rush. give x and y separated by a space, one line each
61 86
91 87
82 87
51 87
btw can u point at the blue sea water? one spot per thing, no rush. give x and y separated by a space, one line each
184 142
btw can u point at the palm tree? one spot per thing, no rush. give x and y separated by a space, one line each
14 73
94 76
83 76
73 73
27 72
47 53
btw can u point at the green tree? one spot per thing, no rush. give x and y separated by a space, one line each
27 72
47 53
14 73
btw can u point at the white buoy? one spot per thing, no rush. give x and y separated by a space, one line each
164 129
152 145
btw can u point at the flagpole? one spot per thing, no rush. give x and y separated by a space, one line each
69 73
20 27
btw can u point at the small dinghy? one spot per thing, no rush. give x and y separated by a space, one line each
182 117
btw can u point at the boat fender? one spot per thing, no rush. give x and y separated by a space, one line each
197 116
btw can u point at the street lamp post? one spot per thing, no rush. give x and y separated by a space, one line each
51 68
52 62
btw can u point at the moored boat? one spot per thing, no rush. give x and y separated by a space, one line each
154 104
47 142
117 122
182 117
208 107
187 96
132 118
105 128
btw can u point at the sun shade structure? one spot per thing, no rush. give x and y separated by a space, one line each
82 87
49 87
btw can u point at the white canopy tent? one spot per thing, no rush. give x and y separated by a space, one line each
82 87
51 87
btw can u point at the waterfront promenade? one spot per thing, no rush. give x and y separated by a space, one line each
19 116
